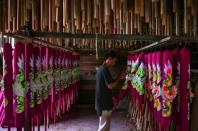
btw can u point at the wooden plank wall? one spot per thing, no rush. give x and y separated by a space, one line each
88 66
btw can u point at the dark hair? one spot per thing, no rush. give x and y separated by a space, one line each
110 54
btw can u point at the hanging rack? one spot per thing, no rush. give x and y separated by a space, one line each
38 41
93 36
170 40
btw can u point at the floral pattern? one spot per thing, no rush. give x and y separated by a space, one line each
19 86
169 91
139 79
38 82
31 84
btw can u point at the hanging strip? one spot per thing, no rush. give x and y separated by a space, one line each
185 89
159 87
29 80
62 81
153 84
53 58
44 85
176 79
49 71
7 84
19 85
168 89
150 76
38 86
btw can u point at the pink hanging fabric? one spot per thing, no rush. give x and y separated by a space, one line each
61 82
49 70
53 87
19 85
65 82
168 89
44 79
52 64
44 86
6 97
159 71
153 83
185 89
29 77
38 87
69 80
130 74
150 77
176 78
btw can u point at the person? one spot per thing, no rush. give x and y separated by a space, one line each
104 86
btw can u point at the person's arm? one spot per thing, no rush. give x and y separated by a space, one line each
109 81
113 84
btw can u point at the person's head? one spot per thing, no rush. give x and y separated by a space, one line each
110 58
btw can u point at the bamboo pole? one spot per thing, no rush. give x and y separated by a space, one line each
5 15
128 23
195 18
42 12
137 6
185 17
78 20
23 13
53 16
9 14
148 11
1 14
14 15
46 15
50 15
142 8
18 14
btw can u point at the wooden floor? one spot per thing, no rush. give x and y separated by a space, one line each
85 119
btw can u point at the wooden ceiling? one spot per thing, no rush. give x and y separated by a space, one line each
135 17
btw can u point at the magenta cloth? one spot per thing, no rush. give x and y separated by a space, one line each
132 90
19 50
61 81
150 77
153 81
57 78
44 86
6 92
53 52
28 57
37 72
167 63
65 82
49 60
159 84
44 79
49 69
29 77
184 89
176 78
7 79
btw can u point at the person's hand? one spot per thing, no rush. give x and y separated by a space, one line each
122 75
